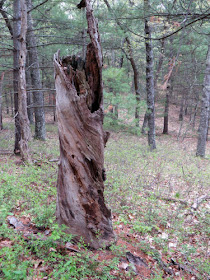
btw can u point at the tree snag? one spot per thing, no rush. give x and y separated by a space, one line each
79 109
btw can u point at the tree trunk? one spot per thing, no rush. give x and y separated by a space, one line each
7 103
169 92
16 51
22 96
207 134
149 80
79 108
12 103
9 26
29 93
38 97
181 111
145 124
160 63
166 111
194 115
1 88
121 61
203 127
136 80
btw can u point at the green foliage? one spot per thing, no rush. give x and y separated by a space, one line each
116 80
12 265
136 181
141 227
118 94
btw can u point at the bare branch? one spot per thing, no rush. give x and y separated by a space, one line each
37 6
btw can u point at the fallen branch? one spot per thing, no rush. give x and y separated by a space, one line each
165 267
6 152
198 201
169 199
184 267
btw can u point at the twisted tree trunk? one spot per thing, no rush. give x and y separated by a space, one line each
79 108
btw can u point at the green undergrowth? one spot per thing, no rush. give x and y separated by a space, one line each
150 194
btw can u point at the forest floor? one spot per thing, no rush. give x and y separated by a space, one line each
159 202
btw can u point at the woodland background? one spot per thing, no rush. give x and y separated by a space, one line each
158 199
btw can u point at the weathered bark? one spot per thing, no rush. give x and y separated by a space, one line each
16 51
204 117
1 87
149 81
38 97
22 95
136 80
79 108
